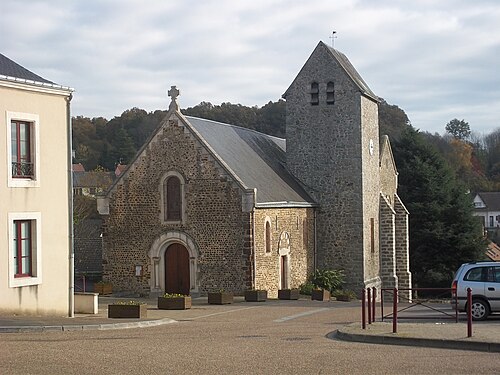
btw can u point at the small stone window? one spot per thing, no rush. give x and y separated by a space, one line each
372 234
314 93
330 93
172 198
267 236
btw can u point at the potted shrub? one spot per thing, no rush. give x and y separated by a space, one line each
324 281
173 301
320 295
128 309
288 294
103 287
220 298
344 295
255 295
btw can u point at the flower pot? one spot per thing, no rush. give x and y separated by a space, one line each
288 294
127 311
220 298
255 295
103 288
174 303
320 295
343 297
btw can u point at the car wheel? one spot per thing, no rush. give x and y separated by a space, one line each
480 309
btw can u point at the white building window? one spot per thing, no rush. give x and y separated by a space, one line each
23 149
25 248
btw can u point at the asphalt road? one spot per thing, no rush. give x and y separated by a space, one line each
249 338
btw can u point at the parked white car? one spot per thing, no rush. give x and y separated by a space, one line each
483 278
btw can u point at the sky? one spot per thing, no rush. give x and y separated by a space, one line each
436 60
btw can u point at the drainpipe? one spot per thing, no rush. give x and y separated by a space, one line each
254 282
71 255
315 261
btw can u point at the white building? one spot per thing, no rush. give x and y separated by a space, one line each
35 188
487 206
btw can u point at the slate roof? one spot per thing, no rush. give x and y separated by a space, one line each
352 72
347 67
10 68
93 179
257 159
491 200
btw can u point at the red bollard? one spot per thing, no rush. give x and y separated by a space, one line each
369 298
469 312
374 299
363 312
395 311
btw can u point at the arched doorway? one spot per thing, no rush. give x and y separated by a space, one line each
177 279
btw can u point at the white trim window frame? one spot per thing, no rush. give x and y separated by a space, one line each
36 249
34 121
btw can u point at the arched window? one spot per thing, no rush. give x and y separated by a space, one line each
172 198
314 93
330 93
267 236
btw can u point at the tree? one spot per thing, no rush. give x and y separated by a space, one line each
443 231
460 129
123 148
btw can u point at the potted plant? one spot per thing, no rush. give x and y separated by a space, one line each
128 309
220 297
103 287
324 281
344 295
288 294
174 301
255 295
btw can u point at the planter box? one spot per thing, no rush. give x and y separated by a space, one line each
343 298
103 288
320 295
255 295
176 303
288 294
220 298
86 303
127 311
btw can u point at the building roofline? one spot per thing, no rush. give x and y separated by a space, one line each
35 84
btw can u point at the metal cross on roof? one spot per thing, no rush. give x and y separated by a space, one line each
173 93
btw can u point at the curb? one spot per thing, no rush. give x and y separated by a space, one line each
86 327
414 341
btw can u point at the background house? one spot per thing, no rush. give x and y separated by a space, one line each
487 207
35 186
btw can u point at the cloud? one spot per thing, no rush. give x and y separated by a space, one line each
436 60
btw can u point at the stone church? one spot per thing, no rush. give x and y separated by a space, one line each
207 206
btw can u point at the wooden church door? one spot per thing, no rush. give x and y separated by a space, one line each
284 274
177 278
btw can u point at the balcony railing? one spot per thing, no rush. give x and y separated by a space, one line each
22 170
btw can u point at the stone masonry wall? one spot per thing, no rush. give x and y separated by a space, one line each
326 151
402 247
213 217
387 244
299 224
370 152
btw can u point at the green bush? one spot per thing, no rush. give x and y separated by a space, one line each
328 279
306 288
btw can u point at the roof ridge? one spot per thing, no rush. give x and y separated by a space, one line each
236 126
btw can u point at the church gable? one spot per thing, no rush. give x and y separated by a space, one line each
388 171
321 87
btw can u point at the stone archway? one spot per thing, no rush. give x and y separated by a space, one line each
158 256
